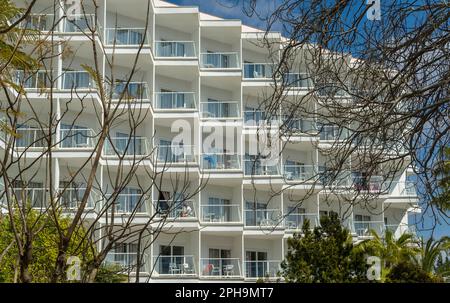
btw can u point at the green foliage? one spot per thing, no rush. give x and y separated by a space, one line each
430 253
389 249
408 272
44 245
110 274
324 255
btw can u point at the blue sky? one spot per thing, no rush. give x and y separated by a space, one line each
233 9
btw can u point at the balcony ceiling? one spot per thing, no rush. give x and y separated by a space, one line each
226 35
136 9
184 73
186 23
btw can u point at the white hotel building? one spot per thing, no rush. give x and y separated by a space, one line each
208 71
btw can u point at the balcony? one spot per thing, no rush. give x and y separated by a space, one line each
70 198
37 198
72 80
295 125
129 203
363 228
261 218
259 117
331 89
229 60
220 213
126 146
77 138
259 71
39 22
332 133
174 100
80 24
221 161
175 49
174 266
297 172
170 209
133 91
220 109
262 269
125 36
254 168
373 184
398 188
176 153
32 138
294 221
128 261
220 268
400 229
35 80
297 80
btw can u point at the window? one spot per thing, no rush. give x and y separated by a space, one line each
256 264
171 259
296 217
294 170
74 136
255 214
218 210
219 262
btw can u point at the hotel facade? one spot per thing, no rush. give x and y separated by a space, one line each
197 72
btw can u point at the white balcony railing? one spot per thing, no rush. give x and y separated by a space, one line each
259 117
332 132
128 261
174 100
175 49
76 80
219 213
218 60
294 221
174 266
299 125
399 188
254 168
262 217
220 109
39 22
35 197
32 137
34 80
77 138
220 161
298 80
363 228
220 267
135 91
176 153
258 70
262 269
170 209
126 146
126 36
79 23
129 203
70 198
374 184
294 172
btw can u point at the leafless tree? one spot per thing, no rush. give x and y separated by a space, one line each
378 89
45 107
